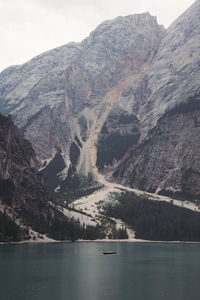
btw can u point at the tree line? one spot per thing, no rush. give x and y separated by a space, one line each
156 220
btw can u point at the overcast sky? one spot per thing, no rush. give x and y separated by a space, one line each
30 27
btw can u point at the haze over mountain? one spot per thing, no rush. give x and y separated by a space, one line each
114 102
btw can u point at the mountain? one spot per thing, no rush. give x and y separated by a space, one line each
123 102
25 210
61 98
167 161
22 195
167 158
20 184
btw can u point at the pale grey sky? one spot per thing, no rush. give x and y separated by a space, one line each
30 27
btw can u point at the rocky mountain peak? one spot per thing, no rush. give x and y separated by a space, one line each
119 35
166 79
136 20
75 103
45 89
168 84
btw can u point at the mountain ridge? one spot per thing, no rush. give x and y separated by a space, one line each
78 100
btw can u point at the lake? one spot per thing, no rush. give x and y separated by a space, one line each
80 271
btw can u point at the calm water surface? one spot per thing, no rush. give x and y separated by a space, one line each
80 271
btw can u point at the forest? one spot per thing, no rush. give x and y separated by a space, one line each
156 220
9 231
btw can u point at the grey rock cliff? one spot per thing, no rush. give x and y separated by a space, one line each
167 157
61 98
173 75
78 102
20 184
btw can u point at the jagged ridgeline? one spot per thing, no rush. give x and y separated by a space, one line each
62 98
101 106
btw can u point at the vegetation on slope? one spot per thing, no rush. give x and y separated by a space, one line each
49 173
118 134
9 231
156 220
113 147
59 227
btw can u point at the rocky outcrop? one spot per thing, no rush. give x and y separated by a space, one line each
167 161
119 132
20 184
173 75
167 157
25 210
102 103
62 98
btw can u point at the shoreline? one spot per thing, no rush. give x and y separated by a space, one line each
98 241
137 241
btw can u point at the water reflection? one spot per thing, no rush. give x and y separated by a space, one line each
76 271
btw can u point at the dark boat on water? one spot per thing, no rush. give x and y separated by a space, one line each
109 252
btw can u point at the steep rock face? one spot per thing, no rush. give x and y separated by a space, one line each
20 184
77 102
173 75
24 207
115 50
168 159
34 94
62 98
119 132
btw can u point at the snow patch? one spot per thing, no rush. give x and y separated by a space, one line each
76 216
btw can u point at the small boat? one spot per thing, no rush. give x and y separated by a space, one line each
109 252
